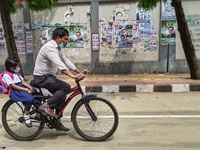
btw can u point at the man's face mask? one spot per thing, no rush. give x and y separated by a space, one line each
62 45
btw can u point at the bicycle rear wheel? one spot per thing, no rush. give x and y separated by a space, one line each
95 130
13 122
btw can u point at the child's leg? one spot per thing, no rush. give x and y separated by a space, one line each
26 112
27 105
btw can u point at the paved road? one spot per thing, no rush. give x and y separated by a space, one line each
148 121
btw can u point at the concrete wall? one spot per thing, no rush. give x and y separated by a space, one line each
108 58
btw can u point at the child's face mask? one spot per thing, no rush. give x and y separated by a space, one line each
17 69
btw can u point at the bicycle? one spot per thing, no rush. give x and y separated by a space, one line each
93 118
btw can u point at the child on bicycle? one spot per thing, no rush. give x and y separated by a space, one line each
20 90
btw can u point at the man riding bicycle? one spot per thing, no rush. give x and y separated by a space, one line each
50 60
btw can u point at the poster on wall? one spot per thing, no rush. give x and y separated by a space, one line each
168 12
145 30
18 31
148 45
127 34
95 41
123 34
147 34
2 40
21 47
119 35
168 24
194 26
29 42
45 34
168 32
106 33
18 35
19 38
78 34
129 40
142 15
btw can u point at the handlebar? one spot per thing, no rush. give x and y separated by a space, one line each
80 78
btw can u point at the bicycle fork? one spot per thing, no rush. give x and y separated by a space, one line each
88 108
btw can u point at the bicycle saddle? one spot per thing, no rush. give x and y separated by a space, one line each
32 83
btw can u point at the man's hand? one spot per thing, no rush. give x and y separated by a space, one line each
86 71
78 75
70 74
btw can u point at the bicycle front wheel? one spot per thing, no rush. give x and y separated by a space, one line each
13 122
99 129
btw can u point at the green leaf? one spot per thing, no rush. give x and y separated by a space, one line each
10 6
38 5
148 4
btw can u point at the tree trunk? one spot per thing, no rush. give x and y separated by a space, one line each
186 40
8 30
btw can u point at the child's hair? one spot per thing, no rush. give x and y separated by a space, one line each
11 61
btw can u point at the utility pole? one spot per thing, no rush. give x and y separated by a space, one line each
94 33
29 43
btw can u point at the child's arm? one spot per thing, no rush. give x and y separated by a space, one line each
16 87
27 85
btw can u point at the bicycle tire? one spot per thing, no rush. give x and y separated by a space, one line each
13 122
101 129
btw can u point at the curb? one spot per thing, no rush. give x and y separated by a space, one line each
143 88
139 88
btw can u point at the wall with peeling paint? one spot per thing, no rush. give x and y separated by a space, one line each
140 57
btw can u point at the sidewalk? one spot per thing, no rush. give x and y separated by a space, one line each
135 83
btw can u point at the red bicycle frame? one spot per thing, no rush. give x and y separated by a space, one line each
76 91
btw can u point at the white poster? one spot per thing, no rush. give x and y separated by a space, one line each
168 12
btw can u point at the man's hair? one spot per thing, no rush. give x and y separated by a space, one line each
11 61
60 32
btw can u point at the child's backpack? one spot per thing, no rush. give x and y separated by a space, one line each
3 88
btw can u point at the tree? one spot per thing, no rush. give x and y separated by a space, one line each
7 7
185 36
